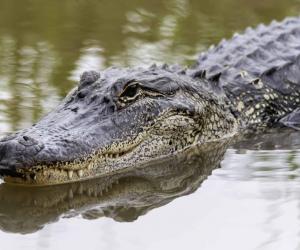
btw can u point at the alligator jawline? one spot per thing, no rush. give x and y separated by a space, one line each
79 169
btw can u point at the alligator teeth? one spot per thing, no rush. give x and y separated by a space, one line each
70 174
80 173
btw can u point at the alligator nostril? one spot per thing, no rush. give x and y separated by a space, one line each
18 152
27 141
26 138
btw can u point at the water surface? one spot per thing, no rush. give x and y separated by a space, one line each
242 195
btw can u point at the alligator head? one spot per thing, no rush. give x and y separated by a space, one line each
119 119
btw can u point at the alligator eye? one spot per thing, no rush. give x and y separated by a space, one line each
130 92
135 90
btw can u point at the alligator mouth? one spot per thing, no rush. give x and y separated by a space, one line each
113 158
87 167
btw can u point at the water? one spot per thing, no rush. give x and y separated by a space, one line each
243 195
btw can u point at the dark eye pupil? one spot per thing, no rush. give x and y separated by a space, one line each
130 91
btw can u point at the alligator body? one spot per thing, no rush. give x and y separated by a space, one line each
123 118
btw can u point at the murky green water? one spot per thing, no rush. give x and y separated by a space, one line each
251 202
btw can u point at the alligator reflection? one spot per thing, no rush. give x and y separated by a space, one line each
128 195
123 197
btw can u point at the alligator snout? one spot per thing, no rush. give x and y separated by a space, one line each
17 151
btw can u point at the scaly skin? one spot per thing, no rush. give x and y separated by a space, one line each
124 118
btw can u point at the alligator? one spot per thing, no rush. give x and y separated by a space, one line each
122 118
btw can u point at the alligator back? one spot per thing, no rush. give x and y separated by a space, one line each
260 68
